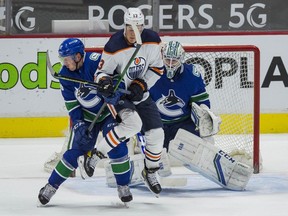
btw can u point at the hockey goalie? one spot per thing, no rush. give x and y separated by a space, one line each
198 155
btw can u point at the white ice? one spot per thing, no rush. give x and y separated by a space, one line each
22 176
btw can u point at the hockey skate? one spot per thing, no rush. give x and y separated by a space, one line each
124 193
87 163
46 193
150 179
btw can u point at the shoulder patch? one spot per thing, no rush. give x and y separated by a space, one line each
94 56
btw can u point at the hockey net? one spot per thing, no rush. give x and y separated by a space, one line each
231 74
232 77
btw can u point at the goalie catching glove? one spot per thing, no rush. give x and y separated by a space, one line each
205 120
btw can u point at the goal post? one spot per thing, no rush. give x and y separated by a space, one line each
232 77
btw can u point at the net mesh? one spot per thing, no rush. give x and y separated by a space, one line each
229 77
231 74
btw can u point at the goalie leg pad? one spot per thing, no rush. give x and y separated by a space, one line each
210 161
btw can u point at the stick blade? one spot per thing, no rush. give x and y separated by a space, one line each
49 65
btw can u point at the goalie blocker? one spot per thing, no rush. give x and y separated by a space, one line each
208 160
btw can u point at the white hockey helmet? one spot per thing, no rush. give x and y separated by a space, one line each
133 16
173 57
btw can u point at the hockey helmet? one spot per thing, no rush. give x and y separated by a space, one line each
133 16
70 47
173 57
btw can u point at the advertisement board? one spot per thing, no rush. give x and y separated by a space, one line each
28 90
164 16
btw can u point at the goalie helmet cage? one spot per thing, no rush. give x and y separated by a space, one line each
232 77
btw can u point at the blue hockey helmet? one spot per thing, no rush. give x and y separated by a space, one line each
71 47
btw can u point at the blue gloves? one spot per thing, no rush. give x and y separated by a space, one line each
114 98
81 133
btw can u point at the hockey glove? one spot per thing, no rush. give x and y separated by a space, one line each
81 134
106 86
137 89
114 98
205 120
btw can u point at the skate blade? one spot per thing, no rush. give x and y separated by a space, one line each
126 204
39 204
147 185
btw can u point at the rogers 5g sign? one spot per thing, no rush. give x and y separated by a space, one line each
237 12
187 17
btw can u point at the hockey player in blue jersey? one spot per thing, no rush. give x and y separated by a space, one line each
138 110
189 124
83 102
178 93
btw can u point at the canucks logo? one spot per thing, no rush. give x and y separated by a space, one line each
136 68
87 96
170 105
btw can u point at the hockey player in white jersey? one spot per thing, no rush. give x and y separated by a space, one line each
137 110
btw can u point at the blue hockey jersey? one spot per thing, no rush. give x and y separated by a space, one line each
82 100
174 97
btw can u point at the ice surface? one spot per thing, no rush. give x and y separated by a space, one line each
22 176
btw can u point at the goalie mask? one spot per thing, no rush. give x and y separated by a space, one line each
173 55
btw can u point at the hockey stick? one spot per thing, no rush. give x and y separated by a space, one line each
122 74
77 80
138 46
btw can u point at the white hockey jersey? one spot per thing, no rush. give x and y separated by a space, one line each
147 64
